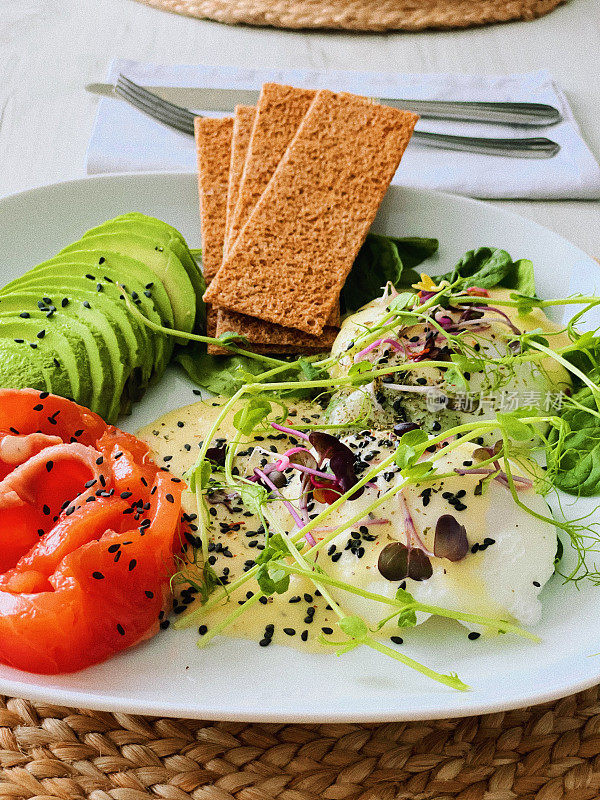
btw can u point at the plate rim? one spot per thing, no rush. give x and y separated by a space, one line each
116 704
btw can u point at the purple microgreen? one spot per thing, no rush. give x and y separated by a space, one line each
397 562
450 539
217 455
341 461
268 483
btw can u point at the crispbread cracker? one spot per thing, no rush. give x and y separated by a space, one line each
267 350
211 321
290 262
270 141
213 145
279 112
259 332
243 122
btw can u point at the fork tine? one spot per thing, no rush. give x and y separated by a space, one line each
156 112
154 99
154 104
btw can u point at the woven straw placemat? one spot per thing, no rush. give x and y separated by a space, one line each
547 752
360 15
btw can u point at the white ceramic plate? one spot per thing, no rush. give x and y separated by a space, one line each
237 680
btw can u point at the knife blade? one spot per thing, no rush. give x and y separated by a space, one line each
225 100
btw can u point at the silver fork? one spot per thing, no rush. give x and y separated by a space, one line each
182 119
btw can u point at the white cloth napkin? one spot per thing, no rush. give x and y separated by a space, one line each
123 139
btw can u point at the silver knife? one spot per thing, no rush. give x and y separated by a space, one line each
535 114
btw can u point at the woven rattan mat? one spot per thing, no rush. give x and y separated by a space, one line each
360 15
548 752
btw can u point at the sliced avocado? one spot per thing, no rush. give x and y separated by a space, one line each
92 362
18 370
71 280
59 356
107 263
161 260
179 246
63 291
111 344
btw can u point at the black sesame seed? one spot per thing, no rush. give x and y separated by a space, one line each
327 630
45 509
164 624
132 564
121 629
473 635
537 583
149 594
24 314
49 465
263 601
265 642
98 576
202 629
397 639
295 599
169 498
86 304
304 635
290 631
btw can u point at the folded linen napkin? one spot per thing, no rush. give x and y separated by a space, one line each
123 139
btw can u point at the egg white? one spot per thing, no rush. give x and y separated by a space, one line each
501 581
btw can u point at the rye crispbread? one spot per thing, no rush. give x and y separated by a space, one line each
266 349
213 145
242 130
279 112
259 332
303 235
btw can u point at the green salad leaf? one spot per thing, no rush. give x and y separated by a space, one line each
488 267
574 461
520 278
218 374
484 267
382 259
226 374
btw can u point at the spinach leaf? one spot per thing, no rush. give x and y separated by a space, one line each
226 374
382 259
586 357
575 465
218 374
490 266
520 277
484 267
